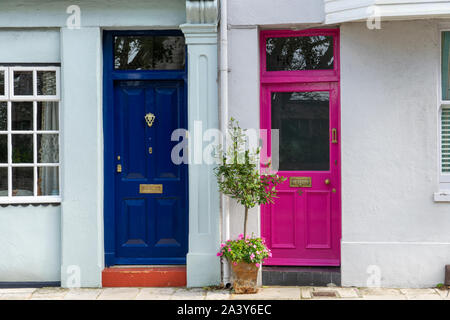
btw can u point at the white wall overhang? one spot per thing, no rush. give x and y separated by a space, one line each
338 11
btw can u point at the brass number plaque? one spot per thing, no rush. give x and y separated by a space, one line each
300 182
150 188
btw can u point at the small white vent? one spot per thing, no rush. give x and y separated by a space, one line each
445 142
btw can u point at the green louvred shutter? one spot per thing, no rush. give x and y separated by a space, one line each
445 142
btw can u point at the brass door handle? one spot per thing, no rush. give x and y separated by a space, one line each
119 168
327 181
334 136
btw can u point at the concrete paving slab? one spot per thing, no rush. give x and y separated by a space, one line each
306 293
445 294
16 293
218 295
155 293
83 294
118 294
49 294
347 293
272 293
421 294
188 294
379 292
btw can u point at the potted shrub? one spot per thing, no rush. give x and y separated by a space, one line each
239 177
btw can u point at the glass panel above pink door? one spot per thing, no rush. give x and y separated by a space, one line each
299 53
299 56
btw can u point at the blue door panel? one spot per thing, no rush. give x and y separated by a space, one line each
149 226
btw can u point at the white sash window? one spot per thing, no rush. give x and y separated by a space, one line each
29 134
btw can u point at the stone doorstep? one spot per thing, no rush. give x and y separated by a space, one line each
149 276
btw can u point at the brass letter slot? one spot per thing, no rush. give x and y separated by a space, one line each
150 188
300 182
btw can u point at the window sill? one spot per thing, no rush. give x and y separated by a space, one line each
442 196
29 200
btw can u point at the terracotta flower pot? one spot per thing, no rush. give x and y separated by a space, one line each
245 277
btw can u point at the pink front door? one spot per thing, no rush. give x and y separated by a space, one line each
303 226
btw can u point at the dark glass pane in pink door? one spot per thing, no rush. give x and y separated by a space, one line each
302 119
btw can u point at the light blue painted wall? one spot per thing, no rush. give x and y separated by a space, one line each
34 31
29 45
30 242
94 13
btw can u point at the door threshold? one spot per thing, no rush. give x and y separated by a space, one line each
148 266
144 276
301 276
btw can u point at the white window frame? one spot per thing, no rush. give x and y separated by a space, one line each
6 87
9 97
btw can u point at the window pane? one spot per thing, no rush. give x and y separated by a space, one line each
48 148
2 83
22 148
3 148
22 181
48 181
23 83
3 182
149 52
47 116
3 116
46 83
22 115
299 53
445 127
303 121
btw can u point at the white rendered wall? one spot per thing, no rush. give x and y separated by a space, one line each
270 12
389 82
244 105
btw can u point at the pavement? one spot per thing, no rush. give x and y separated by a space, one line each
265 293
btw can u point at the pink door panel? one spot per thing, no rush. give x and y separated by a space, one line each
303 226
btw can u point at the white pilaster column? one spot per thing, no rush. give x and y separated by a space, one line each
203 266
81 158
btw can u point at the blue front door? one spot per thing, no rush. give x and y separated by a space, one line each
146 198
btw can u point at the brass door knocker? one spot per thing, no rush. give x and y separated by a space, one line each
150 118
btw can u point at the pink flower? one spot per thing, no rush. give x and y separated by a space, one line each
257 252
257 265
229 249
222 245
219 254
241 236
252 256
270 254
248 237
234 263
